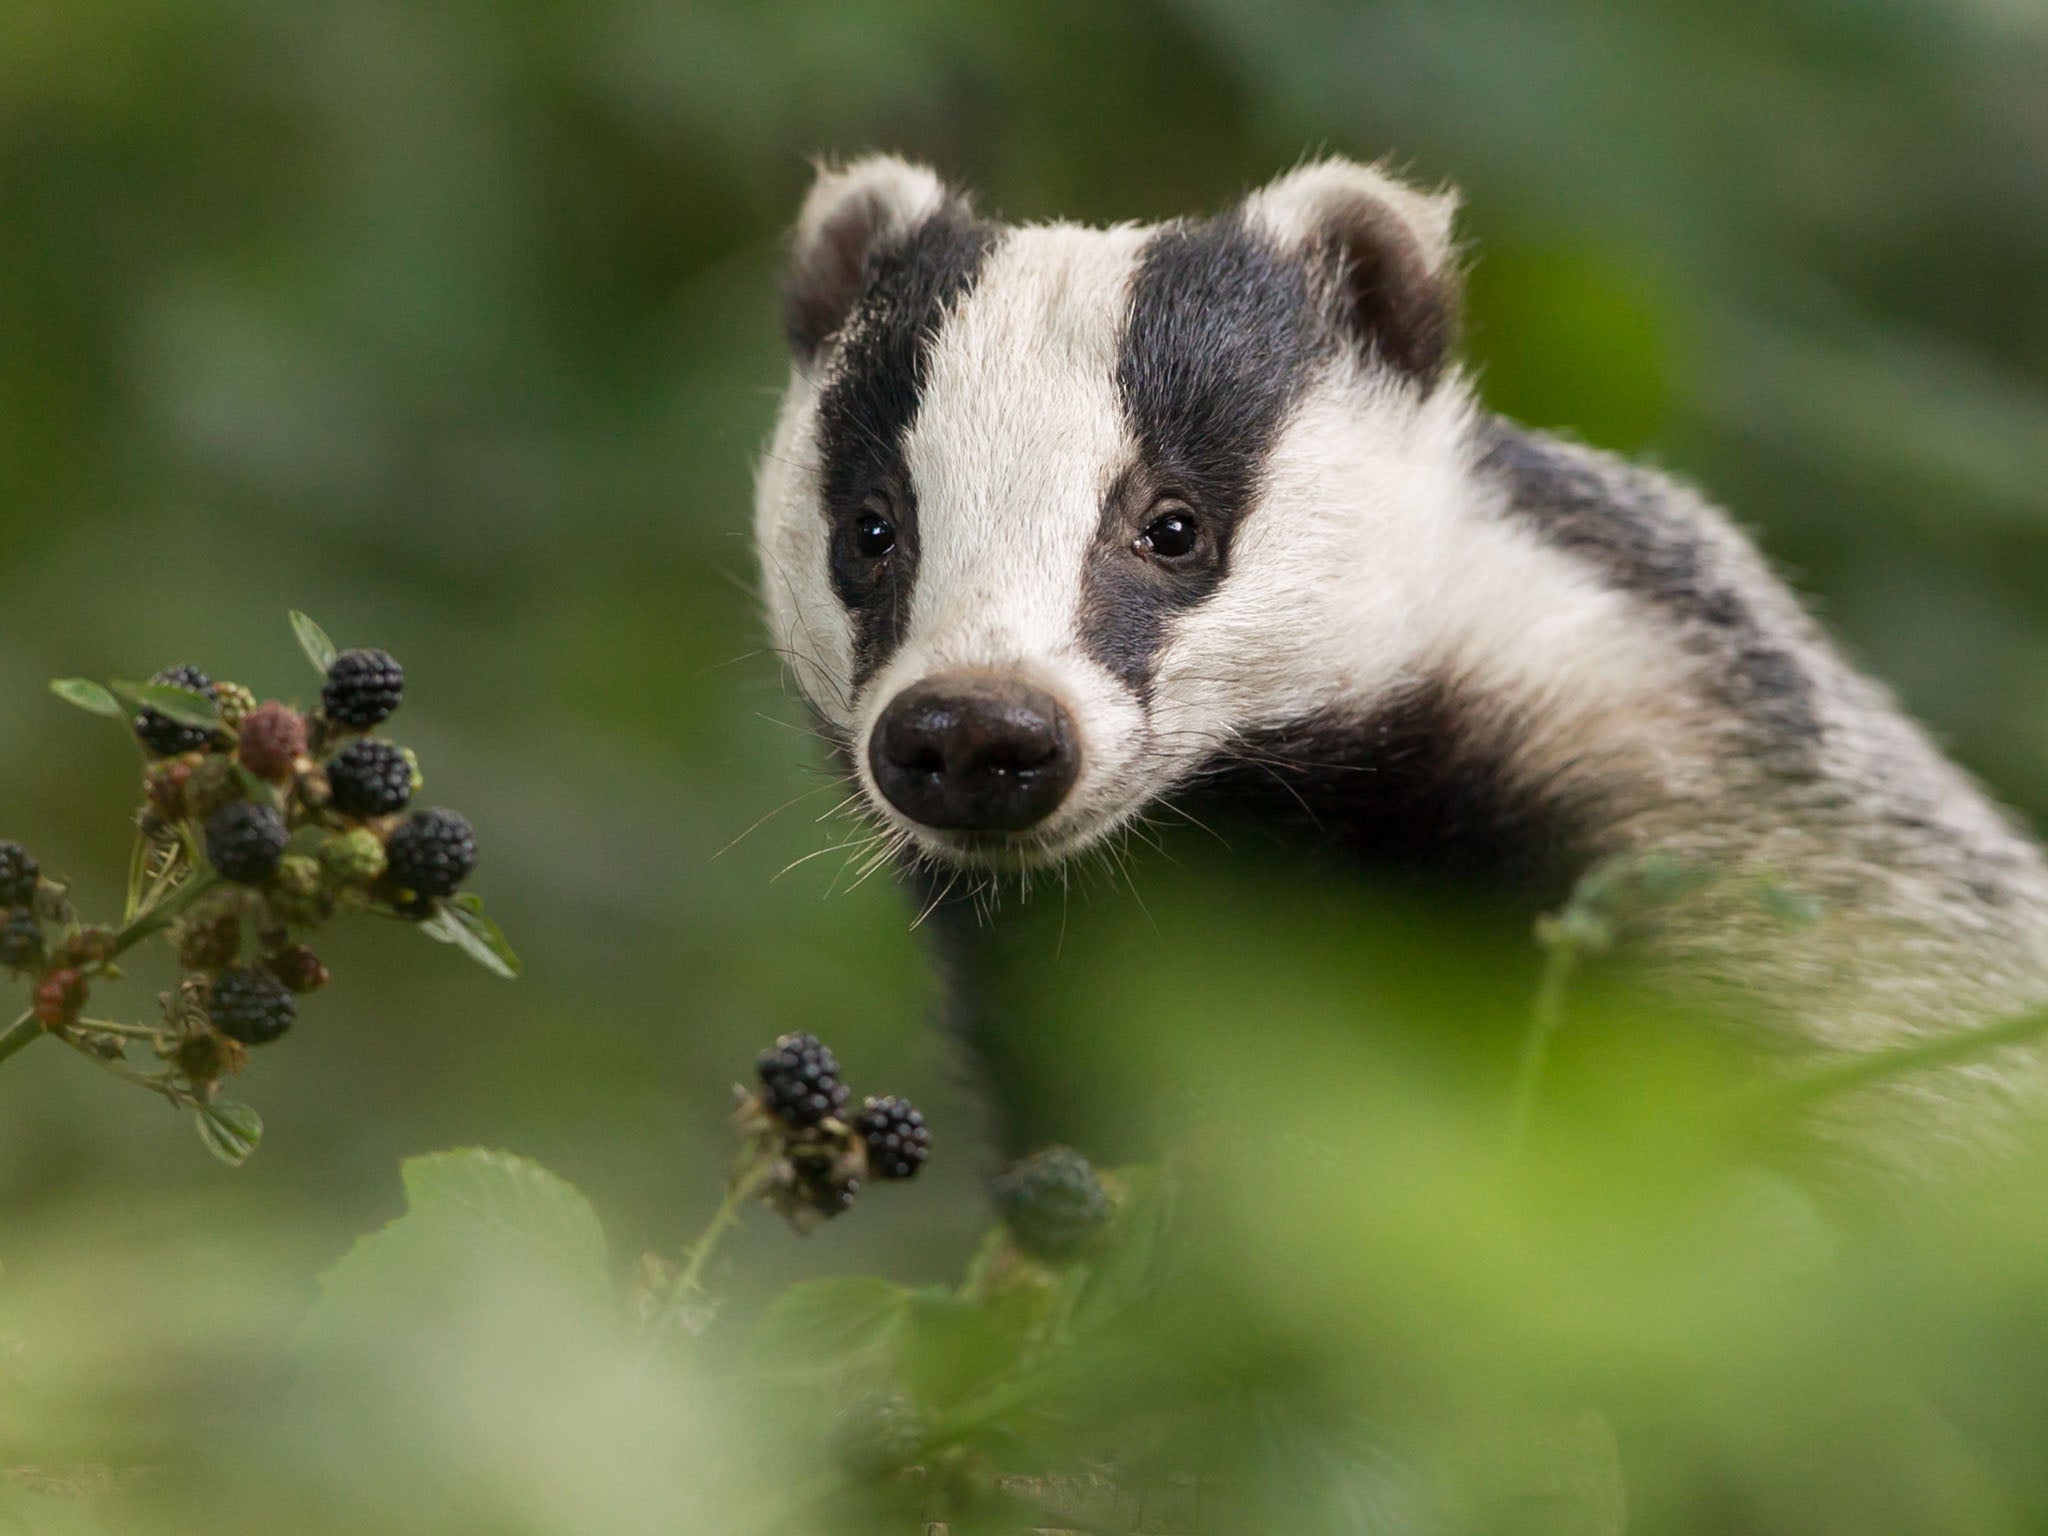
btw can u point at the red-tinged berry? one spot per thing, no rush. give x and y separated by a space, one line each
271 740
60 997
363 687
369 778
244 841
800 1081
19 873
164 736
432 853
251 1006
21 940
1052 1203
299 969
897 1138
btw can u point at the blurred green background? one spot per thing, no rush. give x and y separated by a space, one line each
456 326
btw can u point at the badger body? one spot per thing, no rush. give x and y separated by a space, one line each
1062 525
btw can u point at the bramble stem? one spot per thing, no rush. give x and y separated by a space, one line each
1877 1066
742 1187
1546 1016
23 1032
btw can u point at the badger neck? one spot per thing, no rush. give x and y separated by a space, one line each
1595 659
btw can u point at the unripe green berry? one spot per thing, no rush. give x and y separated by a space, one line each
234 701
296 894
352 858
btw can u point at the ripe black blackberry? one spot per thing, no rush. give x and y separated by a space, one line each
244 841
800 1081
363 687
164 736
251 1006
21 939
897 1140
369 778
432 853
1052 1203
18 874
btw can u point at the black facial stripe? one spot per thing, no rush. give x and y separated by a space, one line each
868 404
1222 336
1619 519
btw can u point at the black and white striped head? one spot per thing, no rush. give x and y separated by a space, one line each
1053 515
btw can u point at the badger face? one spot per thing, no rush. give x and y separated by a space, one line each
1054 516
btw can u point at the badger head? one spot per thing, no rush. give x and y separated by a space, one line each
1053 516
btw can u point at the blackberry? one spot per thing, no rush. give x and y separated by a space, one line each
270 740
18 875
1052 1203
898 1142
167 737
244 841
369 778
362 688
432 853
800 1081
21 939
251 1006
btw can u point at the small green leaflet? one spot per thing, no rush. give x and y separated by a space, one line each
314 642
231 1131
184 705
88 696
461 922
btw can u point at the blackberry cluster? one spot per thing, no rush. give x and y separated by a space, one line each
251 1006
19 874
822 1156
164 736
1052 1203
898 1143
369 778
363 688
800 1083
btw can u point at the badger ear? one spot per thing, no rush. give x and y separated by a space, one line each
1383 251
852 211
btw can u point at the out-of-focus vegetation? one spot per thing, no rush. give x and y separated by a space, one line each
456 325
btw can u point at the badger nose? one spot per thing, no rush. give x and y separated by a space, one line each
972 753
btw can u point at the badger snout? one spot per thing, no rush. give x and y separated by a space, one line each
974 753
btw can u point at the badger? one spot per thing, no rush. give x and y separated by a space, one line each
1061 524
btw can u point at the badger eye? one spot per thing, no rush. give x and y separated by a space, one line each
1171 535
873 534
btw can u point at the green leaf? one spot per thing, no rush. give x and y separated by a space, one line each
469 1213
823 1321
231 1131
184 705
462 923
314 642
88 696
949 1349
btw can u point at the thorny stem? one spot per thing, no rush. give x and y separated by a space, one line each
1562 952
689 1282
27 1029
23 1032
1861 1071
